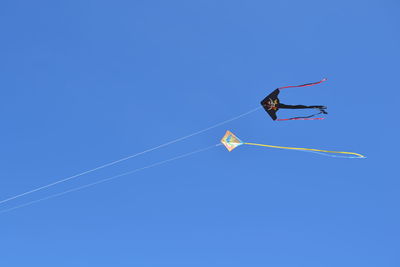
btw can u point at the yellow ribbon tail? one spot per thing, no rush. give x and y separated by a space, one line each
307 149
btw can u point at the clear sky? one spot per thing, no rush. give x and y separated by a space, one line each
87 82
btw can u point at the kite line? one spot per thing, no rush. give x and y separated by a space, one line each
129 157
110 178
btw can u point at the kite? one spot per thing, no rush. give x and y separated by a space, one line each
231 141
271 104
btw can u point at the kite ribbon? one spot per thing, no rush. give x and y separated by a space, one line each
307 149
304 85
307 118
301 119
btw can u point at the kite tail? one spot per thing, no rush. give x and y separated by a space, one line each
338 153
304 85
300 119
307 118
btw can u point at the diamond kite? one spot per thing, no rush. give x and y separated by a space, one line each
231 141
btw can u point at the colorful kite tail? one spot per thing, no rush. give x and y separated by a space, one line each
304 85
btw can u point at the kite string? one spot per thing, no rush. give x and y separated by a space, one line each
110 178
128 157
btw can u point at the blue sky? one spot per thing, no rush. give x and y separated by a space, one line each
88 82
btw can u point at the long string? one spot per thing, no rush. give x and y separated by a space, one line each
128 157
109 178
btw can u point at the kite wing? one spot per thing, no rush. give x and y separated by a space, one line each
270 104
230 141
